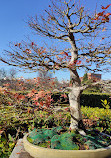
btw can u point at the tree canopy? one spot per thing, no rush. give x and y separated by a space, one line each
68 22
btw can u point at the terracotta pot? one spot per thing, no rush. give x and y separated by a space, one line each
40 152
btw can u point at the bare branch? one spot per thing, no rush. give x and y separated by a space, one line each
62 21
102 83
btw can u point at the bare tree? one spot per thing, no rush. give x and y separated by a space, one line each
3 73
85 36
44 78
44 74
12 73
3 76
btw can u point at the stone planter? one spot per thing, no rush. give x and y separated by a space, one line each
40 152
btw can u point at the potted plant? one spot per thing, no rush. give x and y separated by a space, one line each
86 48
63 145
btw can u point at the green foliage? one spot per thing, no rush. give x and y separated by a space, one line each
6 146
94 89
56 119
85 78
105 104
16 114
94 100
30 139
86 99
99 118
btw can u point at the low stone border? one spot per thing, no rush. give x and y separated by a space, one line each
19 151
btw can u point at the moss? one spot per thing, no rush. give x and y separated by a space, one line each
45 144
30 140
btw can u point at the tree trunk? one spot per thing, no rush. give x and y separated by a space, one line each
74 100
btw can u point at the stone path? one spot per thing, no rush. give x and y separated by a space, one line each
19 151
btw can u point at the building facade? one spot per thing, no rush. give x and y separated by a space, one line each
92 76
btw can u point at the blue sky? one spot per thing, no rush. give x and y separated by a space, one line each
13 14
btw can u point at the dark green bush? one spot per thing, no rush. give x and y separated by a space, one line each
92 100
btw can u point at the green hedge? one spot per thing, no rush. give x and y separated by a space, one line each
94 100
90 100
